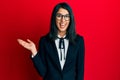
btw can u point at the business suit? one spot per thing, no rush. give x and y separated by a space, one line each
48 65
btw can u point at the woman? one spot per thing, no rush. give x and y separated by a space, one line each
61 51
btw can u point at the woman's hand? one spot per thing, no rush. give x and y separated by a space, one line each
28 45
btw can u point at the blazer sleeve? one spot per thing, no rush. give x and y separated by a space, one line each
39 59
80 61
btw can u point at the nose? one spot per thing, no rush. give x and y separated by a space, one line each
63 19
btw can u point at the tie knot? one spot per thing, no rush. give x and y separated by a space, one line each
61 39
61 43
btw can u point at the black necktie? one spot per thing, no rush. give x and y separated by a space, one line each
61 46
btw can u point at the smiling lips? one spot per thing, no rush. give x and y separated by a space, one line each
62 25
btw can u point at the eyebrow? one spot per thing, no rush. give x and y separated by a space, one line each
62 14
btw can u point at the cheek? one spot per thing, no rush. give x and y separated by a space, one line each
57 23
68 23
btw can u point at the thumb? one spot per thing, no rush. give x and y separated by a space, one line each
29 41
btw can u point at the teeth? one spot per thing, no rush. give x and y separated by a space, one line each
62 24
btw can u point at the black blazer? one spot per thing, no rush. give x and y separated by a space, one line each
48 65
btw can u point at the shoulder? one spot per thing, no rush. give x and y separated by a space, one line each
79 38
80 41
44 38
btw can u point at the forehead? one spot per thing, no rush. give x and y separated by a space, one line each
62 11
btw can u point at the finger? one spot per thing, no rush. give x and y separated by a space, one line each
29 41
21 42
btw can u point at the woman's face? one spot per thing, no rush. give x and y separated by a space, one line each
62 20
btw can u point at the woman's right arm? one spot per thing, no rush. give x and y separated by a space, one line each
39 60
38 57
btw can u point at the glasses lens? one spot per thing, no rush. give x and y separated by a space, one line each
60 16
67 17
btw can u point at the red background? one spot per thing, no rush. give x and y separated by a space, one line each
97 20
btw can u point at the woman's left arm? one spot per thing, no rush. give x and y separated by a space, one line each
80 61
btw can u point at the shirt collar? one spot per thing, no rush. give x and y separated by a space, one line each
61 37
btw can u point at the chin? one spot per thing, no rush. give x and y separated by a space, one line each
62 30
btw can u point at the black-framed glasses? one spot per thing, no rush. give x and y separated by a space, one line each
60 16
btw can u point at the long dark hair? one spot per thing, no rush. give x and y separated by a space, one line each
71 33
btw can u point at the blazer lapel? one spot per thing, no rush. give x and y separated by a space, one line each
54 55
69 56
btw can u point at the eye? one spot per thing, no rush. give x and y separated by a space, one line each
58 15
67 16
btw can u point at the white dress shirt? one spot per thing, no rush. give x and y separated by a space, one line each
66 42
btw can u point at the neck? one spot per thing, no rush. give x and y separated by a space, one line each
62 34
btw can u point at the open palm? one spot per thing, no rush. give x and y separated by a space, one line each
28 45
